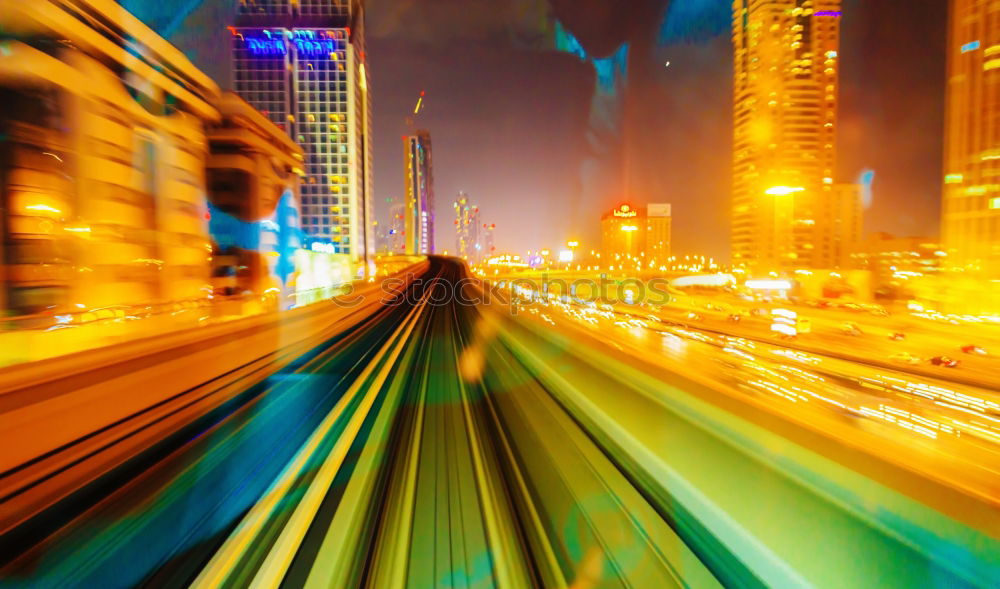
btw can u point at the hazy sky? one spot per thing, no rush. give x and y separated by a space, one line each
509 115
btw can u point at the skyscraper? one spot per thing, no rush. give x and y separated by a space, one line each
488 248
971 207
302 63
785 116
419 170
467 243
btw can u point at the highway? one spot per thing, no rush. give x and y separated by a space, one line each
924 336
419 440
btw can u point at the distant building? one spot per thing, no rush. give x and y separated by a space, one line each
488 248
971 207
893 261
396 229
636 235
419 213
838 227
302 64
786 66
390 234
467 226
658 237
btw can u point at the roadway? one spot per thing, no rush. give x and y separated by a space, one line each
925 336
420 441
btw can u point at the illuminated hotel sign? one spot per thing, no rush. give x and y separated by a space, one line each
307 43
625 212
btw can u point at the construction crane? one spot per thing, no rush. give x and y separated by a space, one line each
416 111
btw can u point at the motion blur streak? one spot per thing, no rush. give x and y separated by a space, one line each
378 454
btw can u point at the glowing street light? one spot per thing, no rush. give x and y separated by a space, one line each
783 190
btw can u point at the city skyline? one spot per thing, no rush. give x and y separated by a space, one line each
875 135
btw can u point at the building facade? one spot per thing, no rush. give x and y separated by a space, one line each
636 236
102 166
302 64
785 115
971 208
419 170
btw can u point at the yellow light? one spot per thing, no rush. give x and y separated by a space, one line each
573 244
783 190
991 65
954 179
45 208
629 228
995 203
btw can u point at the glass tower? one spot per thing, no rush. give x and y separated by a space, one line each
302 63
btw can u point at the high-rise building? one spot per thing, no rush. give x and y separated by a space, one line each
658 223
302 64
971 207
419 193
785 115
636 236
488 248
467 243
395 229
838 226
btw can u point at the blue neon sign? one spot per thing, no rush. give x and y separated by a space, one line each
307 43
315 47
265 46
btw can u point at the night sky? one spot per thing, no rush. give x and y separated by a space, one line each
515 122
